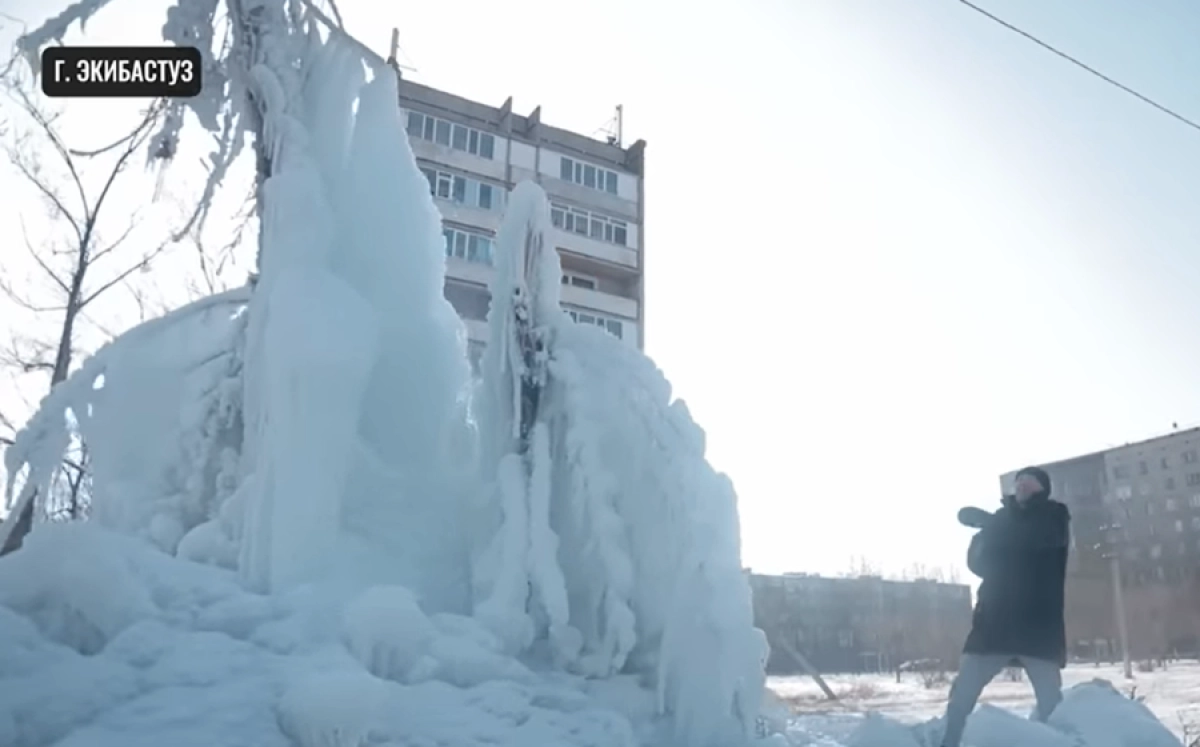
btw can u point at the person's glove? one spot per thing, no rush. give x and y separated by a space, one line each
976 518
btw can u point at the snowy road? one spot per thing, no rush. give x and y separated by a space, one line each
1173 695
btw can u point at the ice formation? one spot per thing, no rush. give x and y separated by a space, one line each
295 539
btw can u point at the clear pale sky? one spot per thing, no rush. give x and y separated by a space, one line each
893 249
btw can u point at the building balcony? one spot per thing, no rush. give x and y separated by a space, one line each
610 204
469 272
455 212
610 254
605 303
445 155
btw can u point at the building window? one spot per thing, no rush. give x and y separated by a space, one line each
461 189
1120 472
1193 478
1124 492
1196 522
614 327
1170 504
588 175
1156 552
579 281
468 245
1170 483
584 223
1179 525
1194 500
456 136
1166 463
1189 456
1144 489
1143 468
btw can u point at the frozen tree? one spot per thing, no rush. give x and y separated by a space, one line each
84 254
250 57
611 539
170 442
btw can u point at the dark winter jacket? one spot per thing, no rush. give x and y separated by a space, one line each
1021 556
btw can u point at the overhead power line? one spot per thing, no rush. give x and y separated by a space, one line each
1085 66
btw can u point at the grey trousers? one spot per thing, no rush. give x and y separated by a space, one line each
975 671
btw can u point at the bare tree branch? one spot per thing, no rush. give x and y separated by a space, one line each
28 354
137 139
115 144
7 289
7 423
337 14
46 126
120 277
99 254
40 261
60 209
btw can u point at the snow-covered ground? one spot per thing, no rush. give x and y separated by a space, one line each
1171 694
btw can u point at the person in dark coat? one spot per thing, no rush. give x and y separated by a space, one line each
1020 554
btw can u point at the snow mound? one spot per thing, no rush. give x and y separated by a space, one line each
387 632
1092 714
195 662
1104 717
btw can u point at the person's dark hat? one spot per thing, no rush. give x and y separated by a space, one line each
1040 475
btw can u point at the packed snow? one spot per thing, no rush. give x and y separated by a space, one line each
311 529
1148 710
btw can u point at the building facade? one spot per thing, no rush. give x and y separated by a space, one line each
473 155
1135 516
864 624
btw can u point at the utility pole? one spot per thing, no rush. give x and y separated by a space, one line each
1114 557
1122 624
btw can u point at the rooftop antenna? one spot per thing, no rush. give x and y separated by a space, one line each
393 60
616 135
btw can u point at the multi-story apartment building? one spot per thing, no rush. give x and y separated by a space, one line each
860 624
473 155
1135 507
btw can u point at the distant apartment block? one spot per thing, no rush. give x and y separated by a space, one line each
863 624
1137 505
474 154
